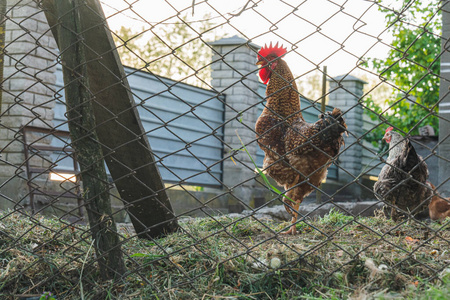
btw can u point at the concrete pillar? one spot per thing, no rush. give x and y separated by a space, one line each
444 104
234 75
28 87
345 93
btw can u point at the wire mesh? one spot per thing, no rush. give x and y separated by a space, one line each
190 203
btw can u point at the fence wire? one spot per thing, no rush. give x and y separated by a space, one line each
131 167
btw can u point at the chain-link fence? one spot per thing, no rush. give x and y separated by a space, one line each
140 151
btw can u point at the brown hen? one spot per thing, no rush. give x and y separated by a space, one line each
297 153
402 182
439 207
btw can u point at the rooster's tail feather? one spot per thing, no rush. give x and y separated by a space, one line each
328 119
332 125
337 115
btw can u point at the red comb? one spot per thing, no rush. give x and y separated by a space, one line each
275 50
389 128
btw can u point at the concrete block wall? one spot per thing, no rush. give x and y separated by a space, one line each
28 87
234 75
345 93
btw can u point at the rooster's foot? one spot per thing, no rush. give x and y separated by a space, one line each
292 230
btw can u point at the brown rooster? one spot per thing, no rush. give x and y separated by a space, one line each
403 180
439 207
297 153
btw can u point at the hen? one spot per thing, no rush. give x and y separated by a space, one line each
297 153
439 207
403 180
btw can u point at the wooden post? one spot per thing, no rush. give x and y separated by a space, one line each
85 141
126 149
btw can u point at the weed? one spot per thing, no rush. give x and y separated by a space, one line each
335 217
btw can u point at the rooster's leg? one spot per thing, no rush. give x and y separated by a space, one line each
395 214
293 229
293 211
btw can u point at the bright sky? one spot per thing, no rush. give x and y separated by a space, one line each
320 32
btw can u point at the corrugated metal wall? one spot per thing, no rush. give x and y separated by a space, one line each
370 164
183 124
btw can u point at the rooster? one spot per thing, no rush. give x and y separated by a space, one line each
297 153
403 180
439 207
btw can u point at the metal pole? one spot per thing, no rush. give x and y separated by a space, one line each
444 104
324 88
2 46
322 108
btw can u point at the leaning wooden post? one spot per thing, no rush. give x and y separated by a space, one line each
126 149
85 141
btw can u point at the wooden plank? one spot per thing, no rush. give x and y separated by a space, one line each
85 140
127 151
45 130
49 148
56 194
47 170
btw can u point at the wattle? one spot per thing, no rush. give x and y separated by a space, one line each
264 74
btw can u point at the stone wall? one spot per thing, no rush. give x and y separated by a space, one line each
345 93
28 87
234 74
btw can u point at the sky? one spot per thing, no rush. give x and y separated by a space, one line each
316 32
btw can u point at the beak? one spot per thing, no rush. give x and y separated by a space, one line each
260 62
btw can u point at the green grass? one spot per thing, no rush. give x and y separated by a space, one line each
335 217
334 257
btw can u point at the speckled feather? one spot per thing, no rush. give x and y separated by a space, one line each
439 207
297 153
402 182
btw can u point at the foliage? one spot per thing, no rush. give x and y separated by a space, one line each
375 135
261 173
412 66
336 218
47 296
174 50
310 85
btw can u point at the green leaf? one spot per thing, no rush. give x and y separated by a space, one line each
263 176
411 64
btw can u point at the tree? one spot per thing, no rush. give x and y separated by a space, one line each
310 85
411 67
174 50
